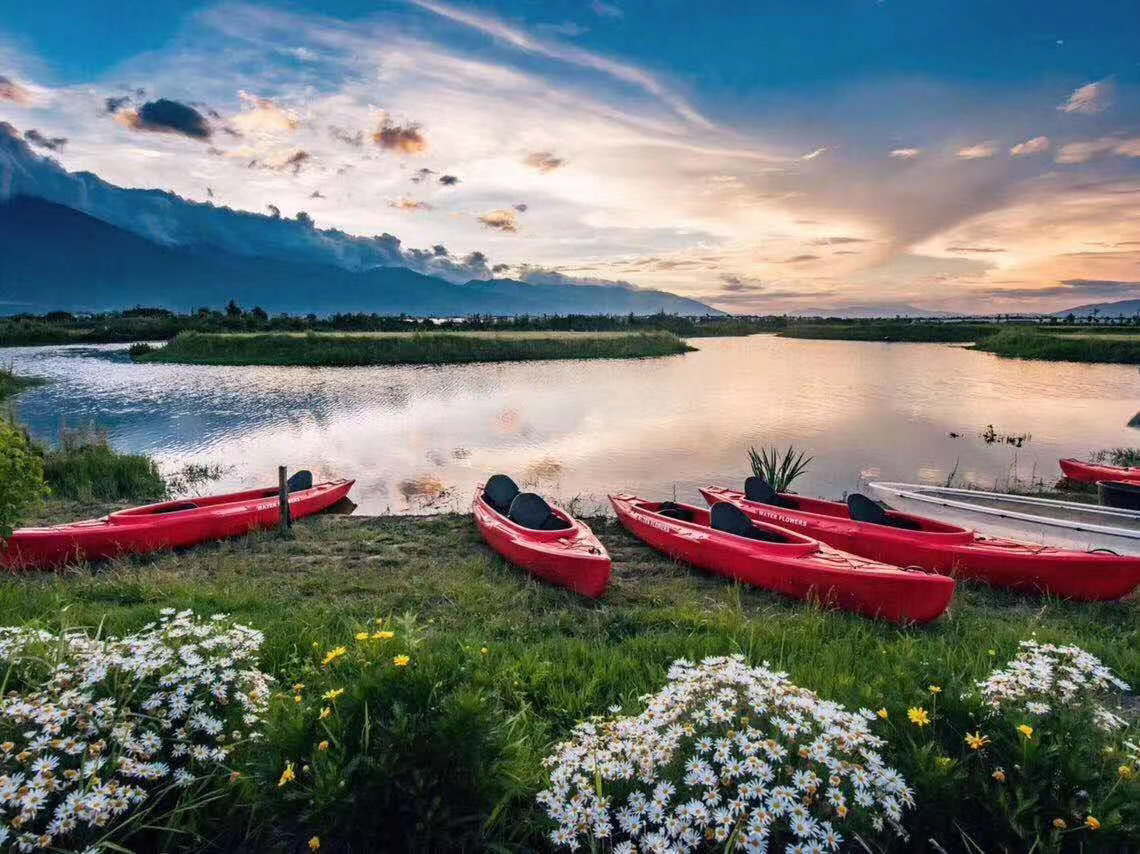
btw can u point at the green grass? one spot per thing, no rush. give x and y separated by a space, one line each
890 330
86 468
12 383
385 348
447 753
1031 344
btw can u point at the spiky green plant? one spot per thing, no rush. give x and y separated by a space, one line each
779 468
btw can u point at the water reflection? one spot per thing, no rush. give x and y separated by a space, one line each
420 438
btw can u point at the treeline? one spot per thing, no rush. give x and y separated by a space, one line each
157 324
890 330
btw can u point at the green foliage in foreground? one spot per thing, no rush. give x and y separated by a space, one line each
1030 344
86 468
1124 457
435 348
445 753
12 383
21 476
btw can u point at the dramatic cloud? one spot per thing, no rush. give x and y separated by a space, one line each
12 91
115 103
736 284
405 204
502 220
978 152
448 180
1036 145
166 116
53 143
500 268
905 153
1090 98
544 161
1075 289
406 139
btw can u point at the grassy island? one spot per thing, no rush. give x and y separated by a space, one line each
406 348
1117 348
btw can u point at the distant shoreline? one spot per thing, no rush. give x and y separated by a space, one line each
333 349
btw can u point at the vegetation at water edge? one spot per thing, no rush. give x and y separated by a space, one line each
431 348
1032 344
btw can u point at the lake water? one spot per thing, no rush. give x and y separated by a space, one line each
421 438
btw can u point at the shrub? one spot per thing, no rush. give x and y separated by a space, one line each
139 349
108 738
726 752
21 477
86 468
779 468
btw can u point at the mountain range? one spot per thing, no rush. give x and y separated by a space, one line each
72 241
1127 307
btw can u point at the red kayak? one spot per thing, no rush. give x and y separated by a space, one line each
169 525
546 541
1091 472
906 540
784 561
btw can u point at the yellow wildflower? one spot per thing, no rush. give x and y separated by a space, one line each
384 635
883 713
324 745
333 655
8 746
934 689
918 716
991 652
401 660
998 775
296 698
299 687
1060 823
363 636
325 712
287 776
314 843
841 811
484 651
1026 730
976 740
332 694
1126 772
1091 823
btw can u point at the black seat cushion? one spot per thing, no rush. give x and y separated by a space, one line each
675 511
499 492
731 520
531 511
302 479
759 490
864 509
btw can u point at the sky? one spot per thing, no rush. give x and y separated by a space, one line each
762 156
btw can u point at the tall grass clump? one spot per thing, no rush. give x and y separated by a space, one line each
1030 344
85 467
780 468
21 477
1123 457
12 383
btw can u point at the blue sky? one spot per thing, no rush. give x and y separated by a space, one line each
759 155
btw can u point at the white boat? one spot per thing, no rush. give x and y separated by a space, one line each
1064 524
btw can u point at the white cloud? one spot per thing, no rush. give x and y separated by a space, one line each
1090 98
812 155
905 153
978 151
1086 150
1036 145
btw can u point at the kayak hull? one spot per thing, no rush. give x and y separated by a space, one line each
1080 472
167 525
952 550
802 568
571 557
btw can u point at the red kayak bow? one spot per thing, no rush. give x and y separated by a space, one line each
1091 472
786 562
948 549
168 525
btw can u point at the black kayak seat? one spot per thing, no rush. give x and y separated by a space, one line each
760 491
864 509
529 510
499 492
731 520
673 510
302 479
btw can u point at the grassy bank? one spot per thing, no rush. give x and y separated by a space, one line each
11 383
1031 344
445 753
395 348
890 330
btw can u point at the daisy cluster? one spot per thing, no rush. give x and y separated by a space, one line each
725 752
1043 678
113 723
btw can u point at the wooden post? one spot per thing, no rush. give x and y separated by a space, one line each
283 498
